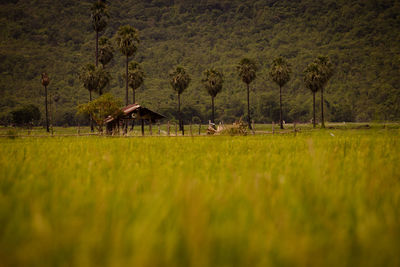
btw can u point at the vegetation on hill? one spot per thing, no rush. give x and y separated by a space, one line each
360 37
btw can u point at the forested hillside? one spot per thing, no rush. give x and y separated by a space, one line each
362 38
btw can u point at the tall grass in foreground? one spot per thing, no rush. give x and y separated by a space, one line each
306 200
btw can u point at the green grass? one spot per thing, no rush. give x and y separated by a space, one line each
320 198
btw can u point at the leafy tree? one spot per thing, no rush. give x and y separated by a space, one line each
45 83
325 70
213 82
26 115
99 109
311 81
99 15
106 52
247 70
94 79
135 77
179 81
280 74
127 40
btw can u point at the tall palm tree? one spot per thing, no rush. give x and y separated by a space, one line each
213 83
127 40
135 77
325 69
103 78
45 83
88 77
312 82
280 74
247 69
179 81
106 51
99 16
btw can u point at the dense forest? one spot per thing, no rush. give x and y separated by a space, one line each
361 37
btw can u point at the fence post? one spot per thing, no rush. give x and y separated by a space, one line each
294 128
273 127
200 128
159 129
168 128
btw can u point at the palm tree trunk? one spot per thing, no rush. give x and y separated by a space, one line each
91 120
97 48
322 109
133 96
47 115
280 107
313 94
212 104
180 115
142 127
248 106
126 92
126 82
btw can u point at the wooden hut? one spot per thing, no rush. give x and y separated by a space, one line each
131 113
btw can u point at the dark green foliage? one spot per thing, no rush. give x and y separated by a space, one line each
106 51
360 37
213 82
28 115
135 77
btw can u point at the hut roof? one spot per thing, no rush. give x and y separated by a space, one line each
136 111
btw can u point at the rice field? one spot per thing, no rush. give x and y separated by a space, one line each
315 198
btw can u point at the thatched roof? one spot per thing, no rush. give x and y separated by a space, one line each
136 111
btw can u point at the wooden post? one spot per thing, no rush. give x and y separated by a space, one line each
199 128
159 129
273 127
191 133
142 127
252 127
168 128
176 129
294 128
150 127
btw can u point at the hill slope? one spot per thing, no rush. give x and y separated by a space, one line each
361 37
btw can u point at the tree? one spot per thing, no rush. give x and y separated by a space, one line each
45 83
99 109
213 82
106 52
99 15
135 77
247 69
325 70
311 81
179 81
127 40
90 80
26 115
104 79
280 74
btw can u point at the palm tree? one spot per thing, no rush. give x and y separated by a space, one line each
127 40
45 83
312 80
103 78
88 77
213 83
325 69
247 69
99 15
179 81
135 77
280 74
106 52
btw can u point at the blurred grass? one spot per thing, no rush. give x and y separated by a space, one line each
320 198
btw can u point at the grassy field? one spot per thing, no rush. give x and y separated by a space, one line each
318 198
